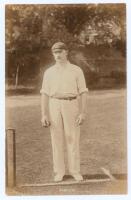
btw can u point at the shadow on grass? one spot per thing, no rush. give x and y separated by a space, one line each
22 91
99 176
33 91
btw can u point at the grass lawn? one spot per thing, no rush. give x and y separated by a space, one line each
102 143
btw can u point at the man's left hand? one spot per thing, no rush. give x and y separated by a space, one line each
81 119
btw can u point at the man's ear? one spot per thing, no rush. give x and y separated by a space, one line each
67 52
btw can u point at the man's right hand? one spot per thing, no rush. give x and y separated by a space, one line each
45 121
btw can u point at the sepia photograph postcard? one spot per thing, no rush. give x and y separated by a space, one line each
65 90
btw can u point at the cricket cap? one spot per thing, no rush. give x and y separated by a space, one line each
58 46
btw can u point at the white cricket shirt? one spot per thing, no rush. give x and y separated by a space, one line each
63 81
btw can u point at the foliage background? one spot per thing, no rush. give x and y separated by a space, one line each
94 33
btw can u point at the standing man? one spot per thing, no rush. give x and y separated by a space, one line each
62 84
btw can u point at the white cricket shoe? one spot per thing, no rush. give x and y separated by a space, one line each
58 178
77 177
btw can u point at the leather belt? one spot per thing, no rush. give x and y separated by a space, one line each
65 98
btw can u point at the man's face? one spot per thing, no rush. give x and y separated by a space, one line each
60 55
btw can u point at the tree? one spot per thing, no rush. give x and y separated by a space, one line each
32 29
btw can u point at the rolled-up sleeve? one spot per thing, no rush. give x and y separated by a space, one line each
45 85
81 83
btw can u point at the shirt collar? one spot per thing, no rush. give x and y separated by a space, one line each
65 65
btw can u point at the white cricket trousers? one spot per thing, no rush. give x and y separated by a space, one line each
63 115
